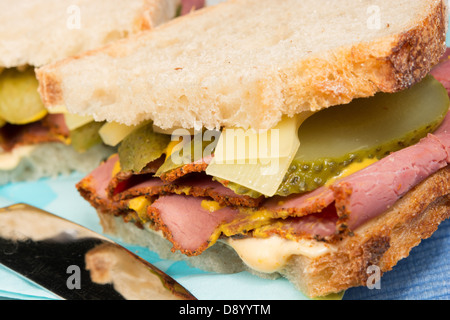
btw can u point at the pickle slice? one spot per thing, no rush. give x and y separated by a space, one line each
188 150
332 139
20 102
86 136
141 147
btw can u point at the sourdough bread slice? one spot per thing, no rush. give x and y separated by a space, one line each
382 242
40 32
246 63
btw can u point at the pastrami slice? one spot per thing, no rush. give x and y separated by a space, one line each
190 227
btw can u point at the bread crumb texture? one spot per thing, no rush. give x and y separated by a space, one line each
37 33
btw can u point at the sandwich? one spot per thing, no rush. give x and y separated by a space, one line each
299 139
34 34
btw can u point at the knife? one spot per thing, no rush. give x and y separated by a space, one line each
76 263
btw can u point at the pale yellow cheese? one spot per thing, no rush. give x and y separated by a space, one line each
113 133
257 161
74 121
58 109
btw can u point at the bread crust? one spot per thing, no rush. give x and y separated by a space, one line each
418 50
44 35
388 63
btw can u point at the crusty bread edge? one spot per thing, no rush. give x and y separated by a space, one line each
416 51
389 64
382 242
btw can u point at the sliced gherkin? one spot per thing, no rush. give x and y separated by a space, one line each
332 139
20 102
85 137
169 164
192 149
141 147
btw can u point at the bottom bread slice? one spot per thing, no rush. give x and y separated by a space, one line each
382 242
52 159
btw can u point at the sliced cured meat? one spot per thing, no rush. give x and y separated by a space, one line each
319 226
56 123
300 205
197 185
196 166
189 5
51 128
122 180
127 185
192 229
108 188
93 188
442 71
173 213
371 191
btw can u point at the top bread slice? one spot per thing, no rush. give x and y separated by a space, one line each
246 63
40 32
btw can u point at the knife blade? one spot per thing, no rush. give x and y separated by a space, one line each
76 263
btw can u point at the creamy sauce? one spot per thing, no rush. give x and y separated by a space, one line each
10 160
271 254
